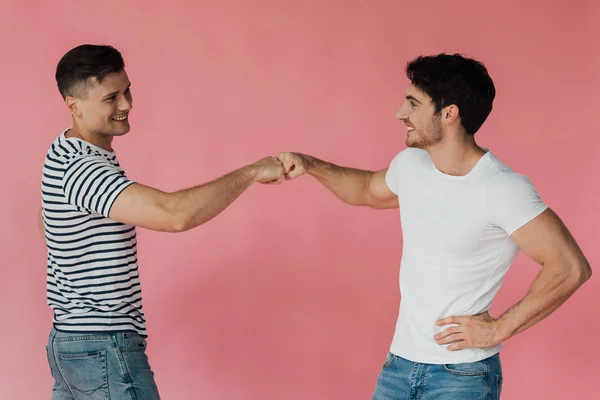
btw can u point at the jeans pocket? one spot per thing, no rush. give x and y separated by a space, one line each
478 368
85 374
389 360
134 342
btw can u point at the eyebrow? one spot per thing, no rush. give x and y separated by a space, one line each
117 92
413 99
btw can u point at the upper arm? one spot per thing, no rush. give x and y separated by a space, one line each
93 183
383 184
145 207
513 204
98 186
547 240
379 194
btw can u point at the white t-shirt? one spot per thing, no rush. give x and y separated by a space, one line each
457 246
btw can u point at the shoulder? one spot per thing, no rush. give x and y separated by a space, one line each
503 179
409 155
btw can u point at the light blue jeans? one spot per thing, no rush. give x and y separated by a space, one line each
100 365
401 379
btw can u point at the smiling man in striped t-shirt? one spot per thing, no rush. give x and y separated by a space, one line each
90 209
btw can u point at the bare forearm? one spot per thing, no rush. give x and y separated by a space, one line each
200 204
551 288
348 184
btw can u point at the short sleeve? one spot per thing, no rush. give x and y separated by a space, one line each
393 172
93 183
512 201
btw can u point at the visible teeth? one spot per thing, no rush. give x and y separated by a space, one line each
120 118
410 129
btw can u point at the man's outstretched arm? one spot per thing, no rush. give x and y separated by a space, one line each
179 211
353 186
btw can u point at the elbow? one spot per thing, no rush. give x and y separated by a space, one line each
177 225
579 273
175 219
181 223
169 225
585 272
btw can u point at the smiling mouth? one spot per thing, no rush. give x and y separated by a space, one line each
120 119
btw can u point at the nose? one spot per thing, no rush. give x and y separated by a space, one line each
402 113
125 104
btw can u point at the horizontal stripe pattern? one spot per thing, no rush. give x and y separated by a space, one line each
93 282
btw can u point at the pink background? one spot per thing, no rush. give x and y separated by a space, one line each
290 294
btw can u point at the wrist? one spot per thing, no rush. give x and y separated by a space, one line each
502 330
250 172
308 162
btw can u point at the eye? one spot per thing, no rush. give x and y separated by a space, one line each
413 104
111 98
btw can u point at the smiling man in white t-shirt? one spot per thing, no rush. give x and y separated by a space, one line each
464 215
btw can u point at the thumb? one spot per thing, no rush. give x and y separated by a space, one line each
296 172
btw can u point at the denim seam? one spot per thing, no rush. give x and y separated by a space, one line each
461 373
101 355
499 380
79 356
82 339
123 366
132 350
422 384
487 378
58 368
412 374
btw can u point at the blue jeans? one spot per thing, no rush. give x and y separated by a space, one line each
100 365
401 379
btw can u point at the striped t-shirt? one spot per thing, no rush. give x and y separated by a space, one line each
93 282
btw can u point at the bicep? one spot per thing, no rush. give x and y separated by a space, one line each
143 206
546 240
379 193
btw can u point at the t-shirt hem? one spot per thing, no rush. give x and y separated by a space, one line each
142 333
389 183
480 354
116 194
540 209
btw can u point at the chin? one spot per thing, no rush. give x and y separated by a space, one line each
413 143
121 132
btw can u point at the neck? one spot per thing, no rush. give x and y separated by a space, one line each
102 141
456 155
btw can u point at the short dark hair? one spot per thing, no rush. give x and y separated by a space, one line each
455 79
85 62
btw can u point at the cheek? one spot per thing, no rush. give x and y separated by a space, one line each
96 112
417 121
107 112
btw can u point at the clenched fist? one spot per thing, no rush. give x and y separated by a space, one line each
269 170
294 164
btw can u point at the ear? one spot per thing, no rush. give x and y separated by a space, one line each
450 114
73 106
